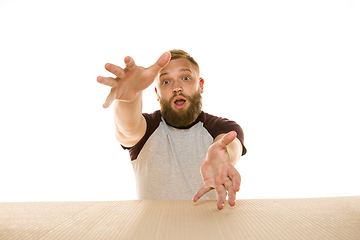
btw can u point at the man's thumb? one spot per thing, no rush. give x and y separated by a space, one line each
227 139
161 63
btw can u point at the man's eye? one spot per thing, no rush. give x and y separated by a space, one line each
186 78
165 82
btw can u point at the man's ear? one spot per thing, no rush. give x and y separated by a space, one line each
157 94
201 85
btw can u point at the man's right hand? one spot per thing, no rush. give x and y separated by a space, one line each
131 80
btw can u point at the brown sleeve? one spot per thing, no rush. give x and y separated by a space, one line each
152 123
217 125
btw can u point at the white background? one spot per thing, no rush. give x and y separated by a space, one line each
287 71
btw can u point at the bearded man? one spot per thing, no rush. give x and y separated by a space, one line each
178 152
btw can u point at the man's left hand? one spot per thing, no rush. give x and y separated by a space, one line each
219 173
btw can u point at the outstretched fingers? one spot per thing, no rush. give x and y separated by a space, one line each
235 178
108 81
141 77
116 70
130 63
204 189
228 185
221 191
110 98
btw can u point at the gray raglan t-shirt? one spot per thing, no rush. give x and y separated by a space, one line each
167 160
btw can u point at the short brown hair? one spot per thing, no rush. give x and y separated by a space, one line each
177 53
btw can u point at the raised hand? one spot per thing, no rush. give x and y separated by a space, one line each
131 80
218 173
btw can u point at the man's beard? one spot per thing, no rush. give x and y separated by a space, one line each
181 118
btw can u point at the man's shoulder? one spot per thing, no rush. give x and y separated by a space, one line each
208 118
153 116
152 121
219 125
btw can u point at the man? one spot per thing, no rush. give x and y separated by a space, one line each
178 150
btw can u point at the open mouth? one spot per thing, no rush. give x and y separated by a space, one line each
179 102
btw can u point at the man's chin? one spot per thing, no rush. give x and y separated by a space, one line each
181 116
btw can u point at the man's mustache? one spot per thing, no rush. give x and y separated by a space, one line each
178 94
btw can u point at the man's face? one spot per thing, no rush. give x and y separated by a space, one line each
179 89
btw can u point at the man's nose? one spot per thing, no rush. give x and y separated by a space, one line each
177 88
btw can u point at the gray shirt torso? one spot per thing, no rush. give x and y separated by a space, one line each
167 160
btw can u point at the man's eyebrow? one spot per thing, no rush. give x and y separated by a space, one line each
163 74
185 70
181 70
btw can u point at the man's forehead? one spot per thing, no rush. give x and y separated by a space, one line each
181 64
179 70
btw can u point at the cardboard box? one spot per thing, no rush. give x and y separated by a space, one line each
313 218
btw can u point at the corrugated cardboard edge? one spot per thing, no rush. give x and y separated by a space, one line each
313 218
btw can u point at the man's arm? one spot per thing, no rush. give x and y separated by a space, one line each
126 91
130 125
218 169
